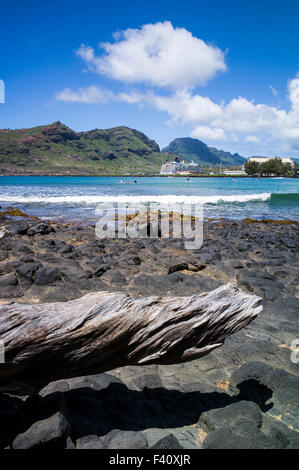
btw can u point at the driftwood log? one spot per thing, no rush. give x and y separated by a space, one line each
102 331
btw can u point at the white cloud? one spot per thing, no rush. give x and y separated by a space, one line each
90 95
160 55
252 138
135 97
157 54
239 119
293 87
275 93
187 108
208 133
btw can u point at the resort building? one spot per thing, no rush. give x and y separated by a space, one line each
234 172
181 167
184 172
168 168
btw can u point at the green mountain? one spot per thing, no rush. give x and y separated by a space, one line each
56 149
196 150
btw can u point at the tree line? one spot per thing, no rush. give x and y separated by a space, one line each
274 166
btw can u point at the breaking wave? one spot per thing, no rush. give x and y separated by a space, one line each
165 199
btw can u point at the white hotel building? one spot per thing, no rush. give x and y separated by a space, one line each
172 168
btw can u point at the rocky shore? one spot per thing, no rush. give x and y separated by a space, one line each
243 395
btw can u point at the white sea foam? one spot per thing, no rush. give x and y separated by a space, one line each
165 199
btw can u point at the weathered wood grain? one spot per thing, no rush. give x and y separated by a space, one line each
102 331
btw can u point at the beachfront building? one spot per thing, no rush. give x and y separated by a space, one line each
169 168
234 172
266 159
184 172
179 167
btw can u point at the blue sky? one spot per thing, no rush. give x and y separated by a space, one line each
222 71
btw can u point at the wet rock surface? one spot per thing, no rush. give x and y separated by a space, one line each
242 395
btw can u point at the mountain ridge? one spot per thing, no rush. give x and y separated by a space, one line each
196 150
57 149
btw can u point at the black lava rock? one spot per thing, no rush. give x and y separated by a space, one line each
44 276
41 228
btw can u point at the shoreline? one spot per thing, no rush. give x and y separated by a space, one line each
16 214
52 236
148 176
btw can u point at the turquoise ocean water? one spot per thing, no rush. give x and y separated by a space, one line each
76 198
